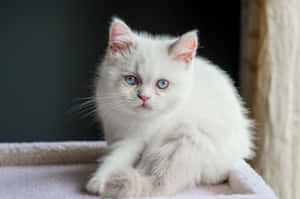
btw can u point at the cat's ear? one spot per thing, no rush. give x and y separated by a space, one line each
121 39
184 49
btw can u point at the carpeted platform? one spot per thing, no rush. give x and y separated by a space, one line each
60 170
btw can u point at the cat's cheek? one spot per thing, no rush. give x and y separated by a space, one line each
126 90
156 92
173 102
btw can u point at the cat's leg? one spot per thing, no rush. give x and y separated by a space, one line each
166 168
121 154
127 183
176 165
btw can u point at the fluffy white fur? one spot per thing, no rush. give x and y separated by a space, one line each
190 133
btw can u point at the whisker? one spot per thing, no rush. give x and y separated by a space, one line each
87 105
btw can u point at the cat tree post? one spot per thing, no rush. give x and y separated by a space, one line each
270 69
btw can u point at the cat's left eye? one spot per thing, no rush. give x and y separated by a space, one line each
162 84
131 80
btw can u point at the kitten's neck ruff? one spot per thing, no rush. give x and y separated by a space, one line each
122 126
128 128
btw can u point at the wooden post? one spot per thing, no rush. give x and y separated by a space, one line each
270 83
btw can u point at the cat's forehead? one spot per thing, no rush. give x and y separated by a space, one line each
153 48
152 58
153 51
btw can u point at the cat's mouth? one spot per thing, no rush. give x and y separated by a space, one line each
144 106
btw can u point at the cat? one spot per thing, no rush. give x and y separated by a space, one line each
171 119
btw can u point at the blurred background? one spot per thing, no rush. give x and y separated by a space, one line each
50 50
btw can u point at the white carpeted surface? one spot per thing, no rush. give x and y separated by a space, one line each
60 181
50 176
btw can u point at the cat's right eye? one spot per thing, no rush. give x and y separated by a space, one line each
131 80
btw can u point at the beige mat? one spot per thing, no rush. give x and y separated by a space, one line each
61 169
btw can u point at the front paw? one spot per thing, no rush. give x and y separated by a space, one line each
122 184
95 185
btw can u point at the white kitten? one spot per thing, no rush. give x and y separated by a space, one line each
171 120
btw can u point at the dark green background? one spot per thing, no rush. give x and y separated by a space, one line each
50 49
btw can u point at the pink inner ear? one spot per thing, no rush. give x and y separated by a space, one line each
120 47
186 57
186 50
120 38
118 29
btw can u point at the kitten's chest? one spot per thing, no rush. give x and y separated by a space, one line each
122 129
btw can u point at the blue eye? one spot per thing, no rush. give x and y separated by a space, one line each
162 84
130 79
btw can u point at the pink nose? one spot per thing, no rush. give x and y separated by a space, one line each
143 97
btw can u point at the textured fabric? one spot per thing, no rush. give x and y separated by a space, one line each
49 153
47 178
59 181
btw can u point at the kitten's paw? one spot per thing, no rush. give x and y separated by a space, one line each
95 186
122 184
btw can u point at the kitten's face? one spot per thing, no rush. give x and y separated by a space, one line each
143 76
